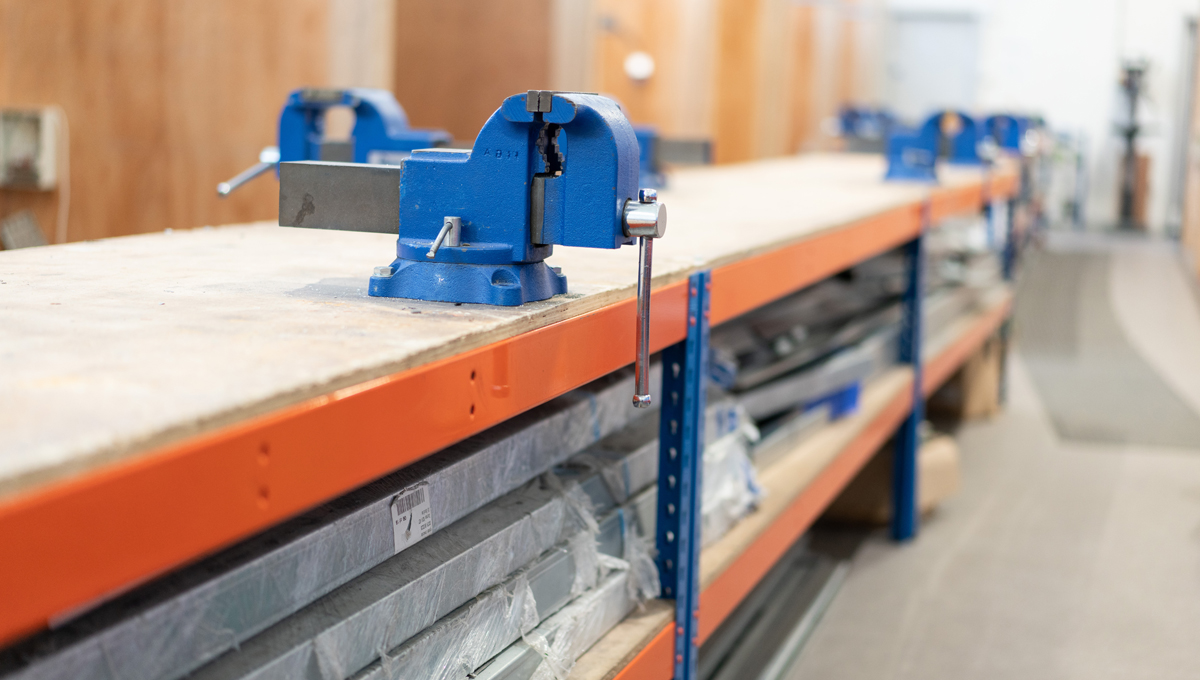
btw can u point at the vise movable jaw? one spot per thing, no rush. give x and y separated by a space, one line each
548 168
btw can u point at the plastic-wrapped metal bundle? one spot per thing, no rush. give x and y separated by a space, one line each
173 626
353 627
389 622
458 644
549 650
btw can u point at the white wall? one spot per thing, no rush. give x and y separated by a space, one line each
1062 58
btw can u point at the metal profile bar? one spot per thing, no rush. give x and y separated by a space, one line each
681 451
904 471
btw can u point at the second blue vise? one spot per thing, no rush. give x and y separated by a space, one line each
912 155
381 132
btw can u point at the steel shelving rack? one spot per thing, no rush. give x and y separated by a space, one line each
169 506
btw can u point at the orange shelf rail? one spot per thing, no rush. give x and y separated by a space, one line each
85 539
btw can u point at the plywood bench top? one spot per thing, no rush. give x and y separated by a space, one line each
110 348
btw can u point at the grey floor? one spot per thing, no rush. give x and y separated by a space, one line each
1073 549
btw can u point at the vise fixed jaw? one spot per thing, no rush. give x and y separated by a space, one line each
475 226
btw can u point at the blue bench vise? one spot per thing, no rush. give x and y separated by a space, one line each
650 169
475 226
1008 131
861 122
381 132
912 155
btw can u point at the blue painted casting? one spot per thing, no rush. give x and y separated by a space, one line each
1007 130
581 152
381 133
865 123
841 402
912 155
680 458
649 167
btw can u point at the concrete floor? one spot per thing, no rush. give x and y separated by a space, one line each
1063 556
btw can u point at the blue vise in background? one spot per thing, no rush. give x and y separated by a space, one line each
912 155
381 133
1007 131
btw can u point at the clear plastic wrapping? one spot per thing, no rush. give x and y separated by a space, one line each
729 487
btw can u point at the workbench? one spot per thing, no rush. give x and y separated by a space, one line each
163 396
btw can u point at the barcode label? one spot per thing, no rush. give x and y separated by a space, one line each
412 500
412 516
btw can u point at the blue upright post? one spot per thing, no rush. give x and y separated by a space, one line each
1010 241
904 470
680 456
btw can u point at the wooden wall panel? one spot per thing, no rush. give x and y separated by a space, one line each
737 84
456 60
164 100
650 26
804 123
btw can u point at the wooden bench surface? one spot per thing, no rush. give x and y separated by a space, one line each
109 348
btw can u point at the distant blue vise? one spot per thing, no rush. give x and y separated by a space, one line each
913 155
862 122
381 133
1006 130
649 166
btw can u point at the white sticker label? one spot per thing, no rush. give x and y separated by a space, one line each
412 516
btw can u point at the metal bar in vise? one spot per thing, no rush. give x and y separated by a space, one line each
904 470
344 196
680 457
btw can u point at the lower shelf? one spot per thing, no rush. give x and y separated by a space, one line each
799 485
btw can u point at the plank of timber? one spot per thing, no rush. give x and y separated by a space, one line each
792 475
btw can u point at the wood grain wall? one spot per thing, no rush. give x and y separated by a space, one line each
163 99
456 60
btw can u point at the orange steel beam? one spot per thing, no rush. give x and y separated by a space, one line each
751 283
950 201
82 539
938 370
